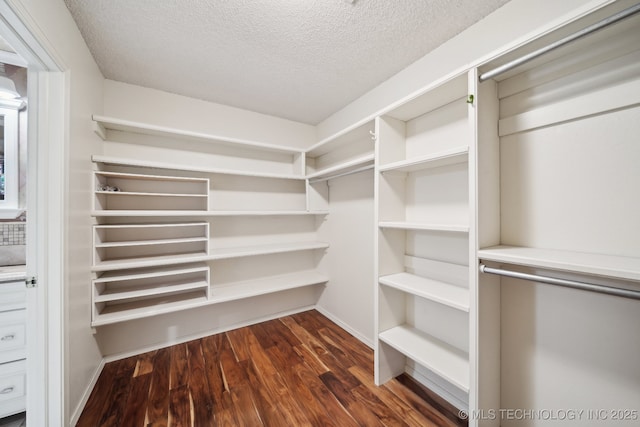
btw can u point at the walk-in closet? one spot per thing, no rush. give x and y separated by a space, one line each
457 244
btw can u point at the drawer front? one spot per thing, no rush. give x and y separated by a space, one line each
12 335
13 296
13 379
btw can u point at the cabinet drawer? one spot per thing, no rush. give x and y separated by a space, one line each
12 335
13 295
13 378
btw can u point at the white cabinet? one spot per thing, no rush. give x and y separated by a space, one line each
12 347
424 290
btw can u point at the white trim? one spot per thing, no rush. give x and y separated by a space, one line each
345 326
211 332
46 140
442 388
75 416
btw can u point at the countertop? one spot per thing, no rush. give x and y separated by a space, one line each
12 272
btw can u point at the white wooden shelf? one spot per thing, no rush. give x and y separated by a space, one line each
342 139
444 293
140 285
131 178
598 102
199 256
404 225
437 94
149 192
435 160
151 242
150 290
149 307
117 161
217 294
346 166
266 285
148 213
110 123
142 194
199 213
245 251
264 213
150 261
449 362
121 242
617 267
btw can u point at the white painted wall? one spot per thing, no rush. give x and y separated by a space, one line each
54 28
159 108
349 227
511 25
138 336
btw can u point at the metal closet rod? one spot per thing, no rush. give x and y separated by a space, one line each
601 289
338 175
570 38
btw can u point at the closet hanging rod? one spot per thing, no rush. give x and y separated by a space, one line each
566 40
338 175
619 292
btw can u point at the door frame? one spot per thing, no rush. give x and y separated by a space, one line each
48 115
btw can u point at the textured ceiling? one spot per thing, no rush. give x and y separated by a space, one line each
297 59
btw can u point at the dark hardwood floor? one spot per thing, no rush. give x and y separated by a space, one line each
299 370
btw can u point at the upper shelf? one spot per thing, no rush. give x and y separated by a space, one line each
110 123
118 161
342 139
199 213
344 167
617 267
434 160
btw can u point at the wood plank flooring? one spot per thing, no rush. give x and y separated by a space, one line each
299 370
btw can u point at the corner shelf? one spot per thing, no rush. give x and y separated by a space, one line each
616 267
348 151
445 360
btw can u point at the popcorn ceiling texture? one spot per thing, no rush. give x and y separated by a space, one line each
297 59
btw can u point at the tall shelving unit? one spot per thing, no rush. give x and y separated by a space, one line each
425 292
171 236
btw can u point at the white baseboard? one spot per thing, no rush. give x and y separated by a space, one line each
442 388
75 416
344 326
187 338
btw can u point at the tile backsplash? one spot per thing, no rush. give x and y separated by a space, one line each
12 234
